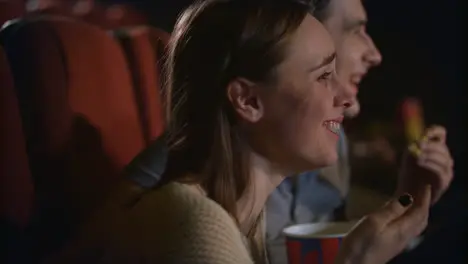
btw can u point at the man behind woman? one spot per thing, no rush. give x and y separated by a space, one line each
252 97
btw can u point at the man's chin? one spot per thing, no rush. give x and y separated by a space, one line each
353 110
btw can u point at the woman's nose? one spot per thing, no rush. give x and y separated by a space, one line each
345 95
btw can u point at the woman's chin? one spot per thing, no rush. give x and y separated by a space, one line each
331 160
327 160
317 163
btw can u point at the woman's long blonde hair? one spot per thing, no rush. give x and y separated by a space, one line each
213 43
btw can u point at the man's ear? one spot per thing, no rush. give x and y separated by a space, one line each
245 98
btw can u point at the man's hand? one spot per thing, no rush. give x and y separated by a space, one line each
428 162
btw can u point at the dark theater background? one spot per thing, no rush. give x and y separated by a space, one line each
421 42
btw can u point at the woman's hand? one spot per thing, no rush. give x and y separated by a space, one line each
382 235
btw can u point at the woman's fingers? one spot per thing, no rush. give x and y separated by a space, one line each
414 220
392 210
386 232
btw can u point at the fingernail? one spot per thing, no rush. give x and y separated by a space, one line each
405 200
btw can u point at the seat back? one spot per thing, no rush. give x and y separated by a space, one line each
143 47
79 114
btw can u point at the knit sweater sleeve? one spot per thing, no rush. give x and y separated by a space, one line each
173 226
212 239
191 229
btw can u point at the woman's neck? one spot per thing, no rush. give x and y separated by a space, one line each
265 178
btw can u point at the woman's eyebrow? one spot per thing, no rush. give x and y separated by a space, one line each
325 61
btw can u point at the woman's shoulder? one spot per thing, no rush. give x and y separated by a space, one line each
181 208
180 201
175 223
178 198
186 226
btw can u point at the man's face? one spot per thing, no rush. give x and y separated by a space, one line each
356 53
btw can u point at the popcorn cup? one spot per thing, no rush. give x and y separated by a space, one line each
316 243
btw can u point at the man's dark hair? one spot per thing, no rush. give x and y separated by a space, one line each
319 9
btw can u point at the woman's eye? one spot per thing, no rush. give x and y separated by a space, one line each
325 76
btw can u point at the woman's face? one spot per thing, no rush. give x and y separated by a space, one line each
300 114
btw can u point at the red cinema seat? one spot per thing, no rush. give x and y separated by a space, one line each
79 115
144 48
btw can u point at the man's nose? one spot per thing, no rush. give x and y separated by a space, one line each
373 56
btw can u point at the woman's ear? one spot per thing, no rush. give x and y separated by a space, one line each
245 99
